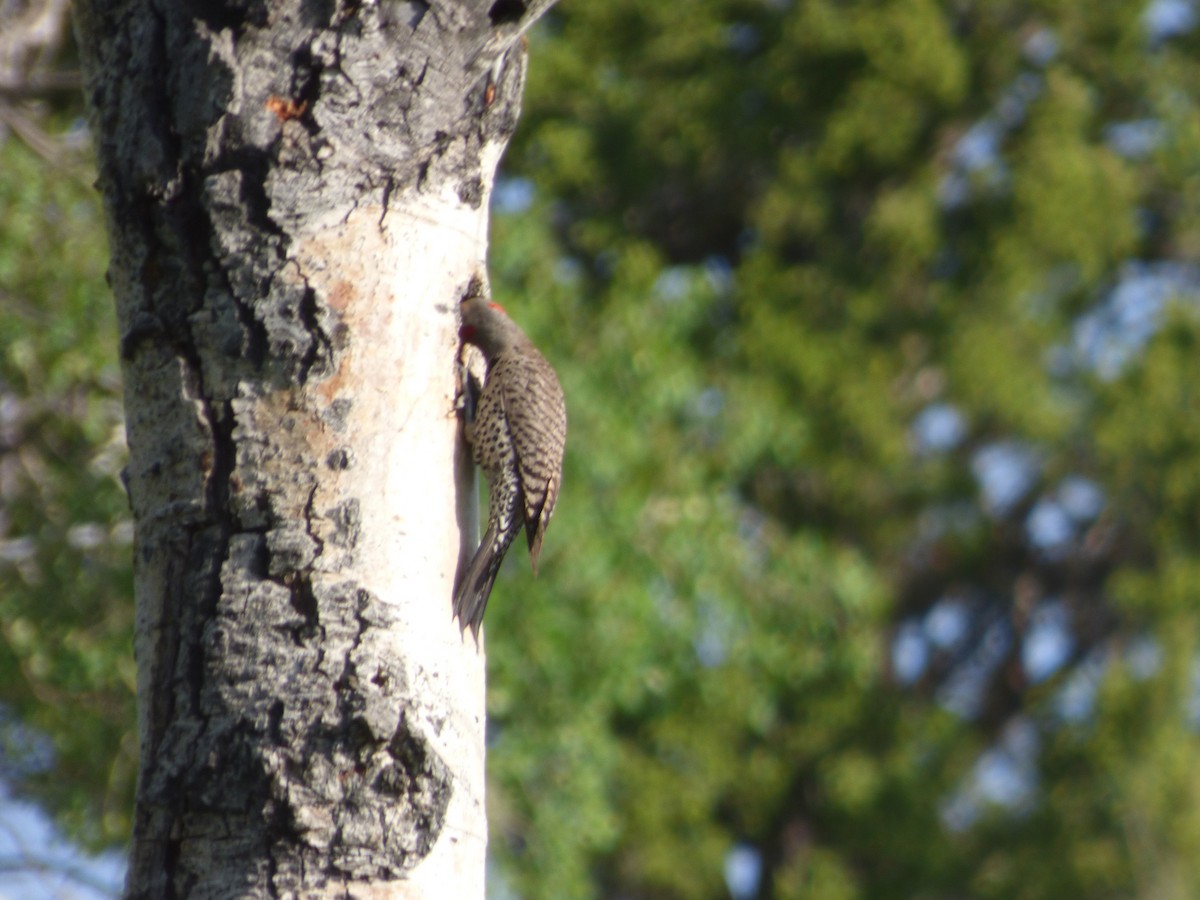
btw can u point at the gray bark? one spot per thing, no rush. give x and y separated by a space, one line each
296 195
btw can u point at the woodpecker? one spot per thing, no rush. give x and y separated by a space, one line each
517 438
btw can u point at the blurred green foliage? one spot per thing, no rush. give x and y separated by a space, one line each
761 241
67 729
763 238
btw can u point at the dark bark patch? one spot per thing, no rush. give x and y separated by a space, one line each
422 780
340 459
232 14
304 601
334 415
346 521
507 12
318 361
315 13
470 191
292 550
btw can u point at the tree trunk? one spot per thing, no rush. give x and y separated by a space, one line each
297 199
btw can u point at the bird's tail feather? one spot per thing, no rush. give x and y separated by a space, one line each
471 599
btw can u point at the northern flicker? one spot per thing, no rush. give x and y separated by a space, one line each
517 438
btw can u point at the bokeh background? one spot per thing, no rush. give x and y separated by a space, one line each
877 565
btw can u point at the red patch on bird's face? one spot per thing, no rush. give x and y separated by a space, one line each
466 332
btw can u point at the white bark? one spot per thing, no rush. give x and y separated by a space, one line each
402 424
297 200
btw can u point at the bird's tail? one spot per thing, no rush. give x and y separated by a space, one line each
470 600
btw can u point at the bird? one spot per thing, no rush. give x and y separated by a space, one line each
517 438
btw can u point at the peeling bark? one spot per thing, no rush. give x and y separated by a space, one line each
296 194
